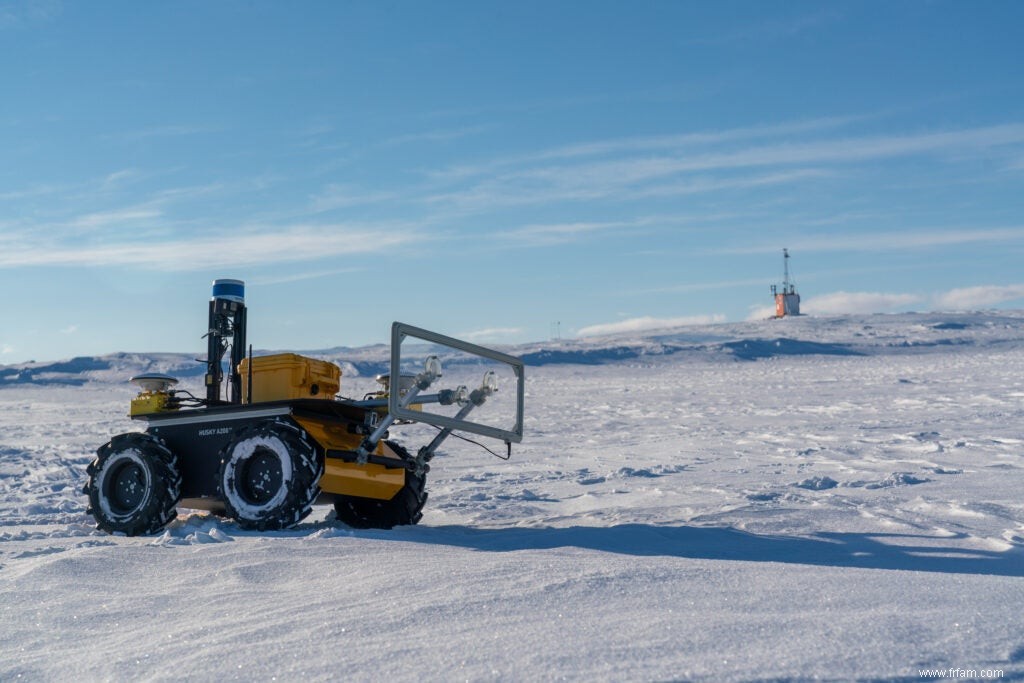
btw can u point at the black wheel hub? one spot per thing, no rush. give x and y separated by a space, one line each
261 477
126 488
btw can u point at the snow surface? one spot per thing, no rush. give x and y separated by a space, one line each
834 498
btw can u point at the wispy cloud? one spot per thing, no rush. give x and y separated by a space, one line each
439 135
340 196
34 191
843 150
644 145
546 104
701 286
631 169
778 29
960 299
916 239
708 185
6 349
491 334
167 131
599 183
857 302
117 177
115 217
761 312
249 247
646 324
970 298
560 233
299 277
70 329
22 13
192 192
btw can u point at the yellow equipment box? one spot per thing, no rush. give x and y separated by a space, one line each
286 376
149 402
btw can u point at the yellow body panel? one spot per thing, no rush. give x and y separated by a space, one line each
349 478
285 376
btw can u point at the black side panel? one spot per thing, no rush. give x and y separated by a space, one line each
198 436
198 449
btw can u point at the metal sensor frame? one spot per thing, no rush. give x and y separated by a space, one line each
399 331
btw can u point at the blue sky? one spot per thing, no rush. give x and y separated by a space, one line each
491 169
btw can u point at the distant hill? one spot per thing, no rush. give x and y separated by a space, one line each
729 342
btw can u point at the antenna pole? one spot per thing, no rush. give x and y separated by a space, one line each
785 271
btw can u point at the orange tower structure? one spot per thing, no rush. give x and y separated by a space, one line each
787 301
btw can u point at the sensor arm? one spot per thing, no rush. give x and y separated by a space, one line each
444 397
477 398
431 372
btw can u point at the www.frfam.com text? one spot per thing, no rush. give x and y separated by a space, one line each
958 673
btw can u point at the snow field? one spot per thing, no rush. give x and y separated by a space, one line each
677 517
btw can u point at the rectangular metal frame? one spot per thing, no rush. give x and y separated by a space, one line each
399 331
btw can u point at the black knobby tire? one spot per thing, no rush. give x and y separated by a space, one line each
370 513
134 485
269 476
